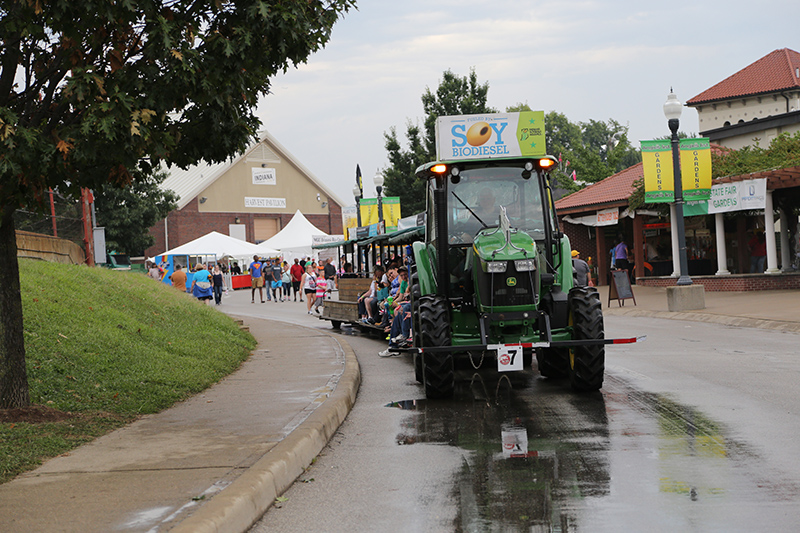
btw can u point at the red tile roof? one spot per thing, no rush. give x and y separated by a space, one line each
614 189
774 72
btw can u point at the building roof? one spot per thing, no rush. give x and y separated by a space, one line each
612 191
779 178
187 184
776 71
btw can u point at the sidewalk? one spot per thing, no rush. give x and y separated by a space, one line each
252 434
775 310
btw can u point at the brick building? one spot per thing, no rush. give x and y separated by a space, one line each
251 196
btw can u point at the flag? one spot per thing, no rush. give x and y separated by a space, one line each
559 157
567 164
574 176
358 180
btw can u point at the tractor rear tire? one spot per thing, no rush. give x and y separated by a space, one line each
586 363
438 371
553 362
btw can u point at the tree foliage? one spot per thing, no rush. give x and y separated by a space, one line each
128 212
93 92
455 95
783 151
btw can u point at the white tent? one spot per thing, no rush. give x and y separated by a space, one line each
219 245
294 240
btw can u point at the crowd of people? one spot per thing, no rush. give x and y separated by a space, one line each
386 304
279 280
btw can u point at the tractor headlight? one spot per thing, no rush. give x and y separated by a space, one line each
496 267
525 265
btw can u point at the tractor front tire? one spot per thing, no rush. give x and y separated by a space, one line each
586 363
438 371
553 362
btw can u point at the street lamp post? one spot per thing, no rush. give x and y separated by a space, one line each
672 110
378 180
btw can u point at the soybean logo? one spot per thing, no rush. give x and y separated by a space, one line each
470 141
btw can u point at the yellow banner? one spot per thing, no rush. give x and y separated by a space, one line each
391 210
696 168
369 211
659 183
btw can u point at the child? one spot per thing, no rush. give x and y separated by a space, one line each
322 287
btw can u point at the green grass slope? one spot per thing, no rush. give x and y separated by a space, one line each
106 346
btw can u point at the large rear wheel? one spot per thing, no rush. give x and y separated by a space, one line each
438 371
586 363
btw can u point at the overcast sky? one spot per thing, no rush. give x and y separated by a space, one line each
586 59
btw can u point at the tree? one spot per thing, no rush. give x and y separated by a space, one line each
127 213
587 151
455 96
96 93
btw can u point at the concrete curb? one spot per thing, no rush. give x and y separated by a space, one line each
241 504
727 320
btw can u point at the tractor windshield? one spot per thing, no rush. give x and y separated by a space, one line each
473 203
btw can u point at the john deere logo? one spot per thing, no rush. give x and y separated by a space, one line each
511 282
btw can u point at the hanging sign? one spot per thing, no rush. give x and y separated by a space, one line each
659 183
391 212
509 357
696 168
369 211
728 197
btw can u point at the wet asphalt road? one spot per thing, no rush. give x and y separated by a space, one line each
695 430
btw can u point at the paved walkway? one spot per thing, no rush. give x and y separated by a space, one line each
254 432
776 310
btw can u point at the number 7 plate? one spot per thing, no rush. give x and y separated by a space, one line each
509 357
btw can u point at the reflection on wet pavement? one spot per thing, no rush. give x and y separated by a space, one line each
540 458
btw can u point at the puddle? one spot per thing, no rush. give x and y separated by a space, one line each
538 457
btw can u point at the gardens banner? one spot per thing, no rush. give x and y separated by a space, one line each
390 207
659 179
696 168
659 184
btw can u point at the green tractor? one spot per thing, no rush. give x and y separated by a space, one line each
494 275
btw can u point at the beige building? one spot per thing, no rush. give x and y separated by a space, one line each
754 105
251 197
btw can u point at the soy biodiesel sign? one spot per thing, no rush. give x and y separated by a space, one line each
490 136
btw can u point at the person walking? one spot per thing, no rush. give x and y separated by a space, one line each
580 269
309 284
286 281
621 254
178 278
277 281
297 275
322 287
201 284
330 274
256 280
219 284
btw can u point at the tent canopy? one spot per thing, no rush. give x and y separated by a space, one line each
219 245
295 239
